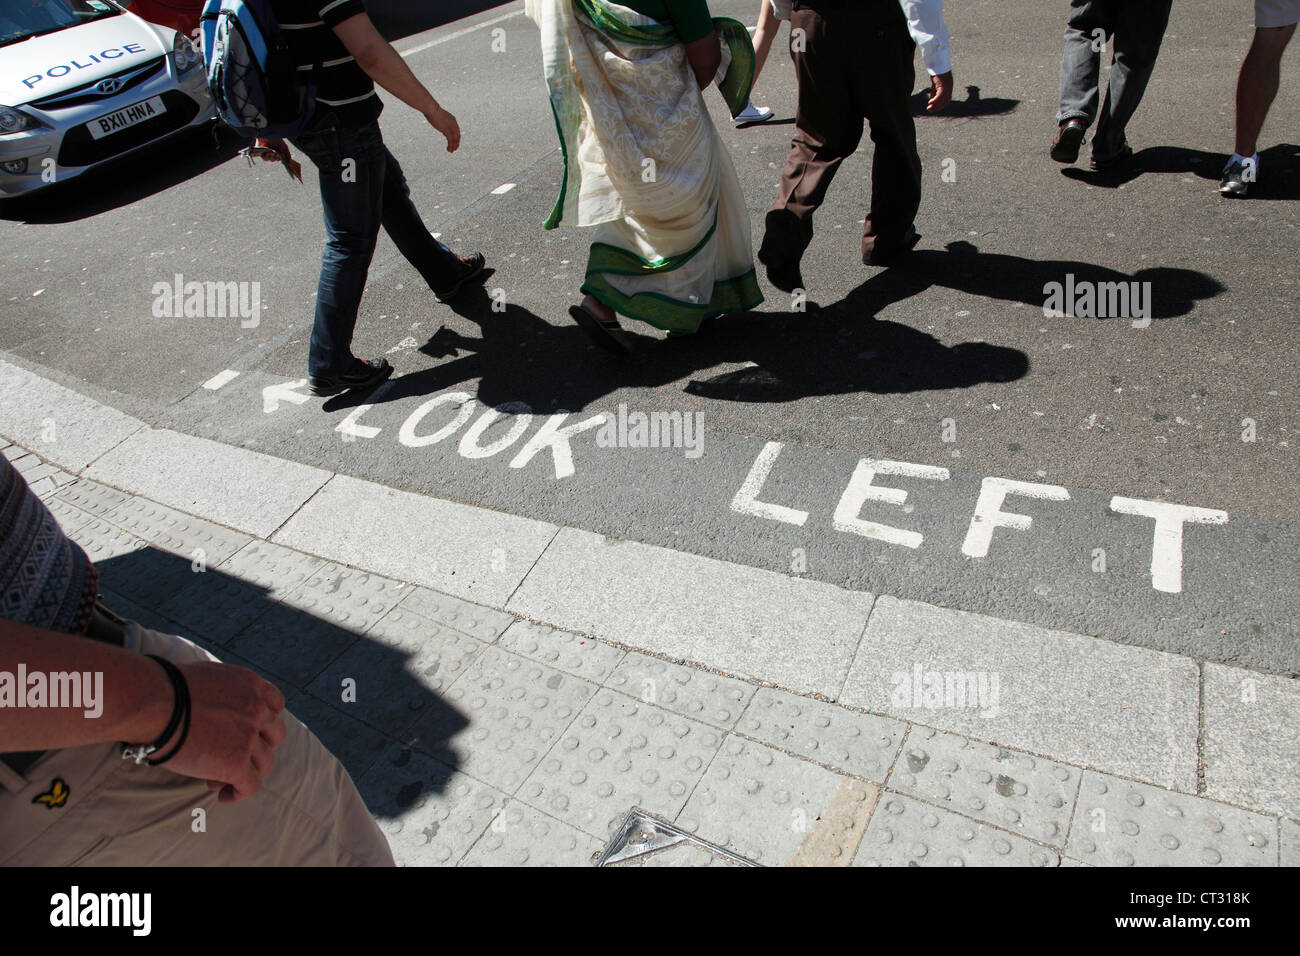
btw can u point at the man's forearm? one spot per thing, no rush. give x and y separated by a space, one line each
130 693
386 67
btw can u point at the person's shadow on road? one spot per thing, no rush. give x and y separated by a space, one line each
842 348
974 105
1279 169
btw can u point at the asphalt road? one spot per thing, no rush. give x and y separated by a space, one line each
948 363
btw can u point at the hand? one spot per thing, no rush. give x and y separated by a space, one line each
445 124
940 92
235 724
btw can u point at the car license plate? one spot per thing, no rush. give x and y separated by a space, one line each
125 118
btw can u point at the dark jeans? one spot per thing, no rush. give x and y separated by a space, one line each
1137 28
856 65
358 197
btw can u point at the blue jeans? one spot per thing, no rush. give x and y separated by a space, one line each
361 188
1136 29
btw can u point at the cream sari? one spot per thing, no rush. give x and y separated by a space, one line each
644 165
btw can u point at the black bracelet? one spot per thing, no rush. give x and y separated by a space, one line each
185 725
180 713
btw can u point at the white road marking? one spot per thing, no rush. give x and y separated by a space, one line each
221 378
989 514
351 428
860 490
273 395
746 500
1167 544
503 189
459 33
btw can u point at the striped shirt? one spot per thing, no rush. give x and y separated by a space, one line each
46 580
341 85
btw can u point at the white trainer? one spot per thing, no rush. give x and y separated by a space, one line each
753 114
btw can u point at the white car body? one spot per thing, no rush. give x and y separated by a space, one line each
95 91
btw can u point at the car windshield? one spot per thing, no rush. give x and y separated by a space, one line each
23 19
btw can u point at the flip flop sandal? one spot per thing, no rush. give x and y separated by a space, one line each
608 335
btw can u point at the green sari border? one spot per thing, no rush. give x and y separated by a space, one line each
557 211
738 294
606 258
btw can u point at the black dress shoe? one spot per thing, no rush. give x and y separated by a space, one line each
472 267
1069 137
890 253
363 375
785 275
1121 160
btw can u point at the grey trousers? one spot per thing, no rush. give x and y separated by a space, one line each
1136 29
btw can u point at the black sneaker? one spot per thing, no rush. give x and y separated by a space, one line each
363 375
473 266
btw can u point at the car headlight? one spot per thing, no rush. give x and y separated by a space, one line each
12 121
184 55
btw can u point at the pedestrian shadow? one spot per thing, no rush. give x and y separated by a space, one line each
128 179
1279 167
973 106
841 348
520 360
307 657
961 266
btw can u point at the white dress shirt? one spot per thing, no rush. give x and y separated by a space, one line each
924 20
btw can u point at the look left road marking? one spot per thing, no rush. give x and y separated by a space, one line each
221 378
272 395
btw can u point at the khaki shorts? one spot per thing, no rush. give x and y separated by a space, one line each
1276 13
119 813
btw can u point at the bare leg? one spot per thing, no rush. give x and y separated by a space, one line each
1257 84
764 34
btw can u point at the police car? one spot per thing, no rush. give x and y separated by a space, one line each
85 81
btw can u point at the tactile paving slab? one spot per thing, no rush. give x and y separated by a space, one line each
194 538
1028 795
430 813
148 577
278 569
861 744
906 832
351 599
521 835
401 666
517 709
617 754
93 497
103 541
759 802
581 656
217 606
356 745
68 516
484 623
1121 823
291 643
688 691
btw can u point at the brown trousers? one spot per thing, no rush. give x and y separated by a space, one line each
855 64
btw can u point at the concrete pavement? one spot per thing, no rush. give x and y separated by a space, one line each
505 691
